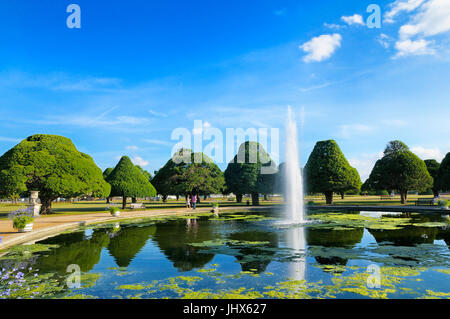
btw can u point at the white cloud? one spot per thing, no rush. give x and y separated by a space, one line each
157 114
132 120
431 19
354 19
321 48
58 82
132 148
139 161
352 130
333 26
418 47
400 6
428 153
384 40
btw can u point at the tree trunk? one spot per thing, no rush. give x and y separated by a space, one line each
178 197
198 199
239 198
164 198
46 207
205 197
329 198
255 199
342 196
124 202
108 200
435 193
403 196
134 200
265 196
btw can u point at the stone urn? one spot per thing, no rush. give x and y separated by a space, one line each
33 206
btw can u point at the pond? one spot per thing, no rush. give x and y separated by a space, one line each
239 255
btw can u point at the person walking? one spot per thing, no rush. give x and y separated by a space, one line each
188 201
194 201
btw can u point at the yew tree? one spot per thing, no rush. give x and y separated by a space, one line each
401 170
127 180
53 166
328 171
250 172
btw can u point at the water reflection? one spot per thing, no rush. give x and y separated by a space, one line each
334 238
255 258
407 236
127 242
296 240
173 239
75 248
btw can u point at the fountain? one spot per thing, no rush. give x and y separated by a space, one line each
293 176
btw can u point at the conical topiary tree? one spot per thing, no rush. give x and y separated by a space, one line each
128 181
53 166
328 171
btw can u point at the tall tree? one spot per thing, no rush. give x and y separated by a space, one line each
433 169
189 173
443 176
250 172
128 181
400 170
53 166
328 171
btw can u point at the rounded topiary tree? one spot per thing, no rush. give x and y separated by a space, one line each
245 174
400 170
189 173
328 171
443 175
53 166
128 181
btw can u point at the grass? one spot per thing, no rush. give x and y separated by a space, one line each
100 206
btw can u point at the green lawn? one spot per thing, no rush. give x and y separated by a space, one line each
89 207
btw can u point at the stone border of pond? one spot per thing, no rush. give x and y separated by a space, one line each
385 208
47 226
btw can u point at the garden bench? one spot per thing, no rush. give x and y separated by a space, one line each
424 201
137 206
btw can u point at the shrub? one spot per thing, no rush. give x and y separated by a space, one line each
21 218
114 209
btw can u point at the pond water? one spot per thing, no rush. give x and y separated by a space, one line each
239 255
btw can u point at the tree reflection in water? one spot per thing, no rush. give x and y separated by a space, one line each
173 239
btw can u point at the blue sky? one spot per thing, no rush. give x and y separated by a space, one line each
136 70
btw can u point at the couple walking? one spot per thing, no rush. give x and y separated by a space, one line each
192 200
